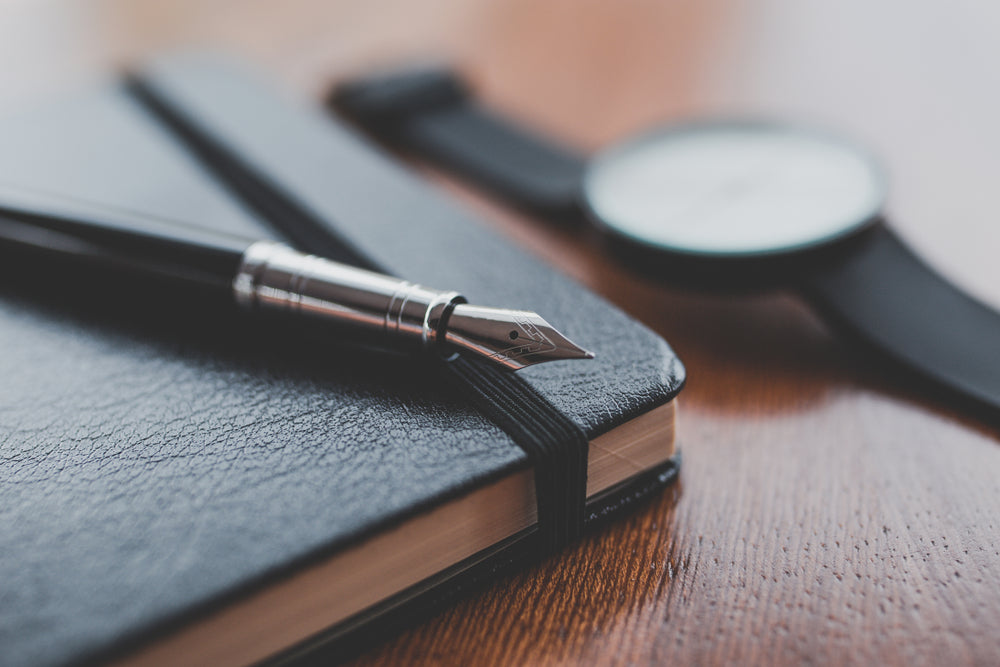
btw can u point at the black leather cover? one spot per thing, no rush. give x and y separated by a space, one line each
154 465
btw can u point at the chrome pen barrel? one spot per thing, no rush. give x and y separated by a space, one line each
274 277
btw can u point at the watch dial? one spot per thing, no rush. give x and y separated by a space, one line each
734 189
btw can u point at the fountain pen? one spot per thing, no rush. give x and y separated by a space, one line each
271 276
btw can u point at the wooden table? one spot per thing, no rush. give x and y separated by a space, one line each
827 511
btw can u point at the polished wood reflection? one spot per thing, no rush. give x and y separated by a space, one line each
829 510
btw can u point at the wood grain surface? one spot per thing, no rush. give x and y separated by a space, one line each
828 511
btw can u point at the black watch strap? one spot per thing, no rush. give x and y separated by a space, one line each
884 294
430 113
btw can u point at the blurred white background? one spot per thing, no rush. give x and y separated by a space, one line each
915 81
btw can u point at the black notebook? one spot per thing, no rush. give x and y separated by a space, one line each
184 487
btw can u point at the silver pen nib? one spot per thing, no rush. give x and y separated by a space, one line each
512 338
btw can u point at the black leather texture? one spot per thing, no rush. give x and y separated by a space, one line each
555 446
156 461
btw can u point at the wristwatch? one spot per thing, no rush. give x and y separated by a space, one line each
713 204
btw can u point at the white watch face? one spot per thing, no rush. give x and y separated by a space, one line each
734 189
